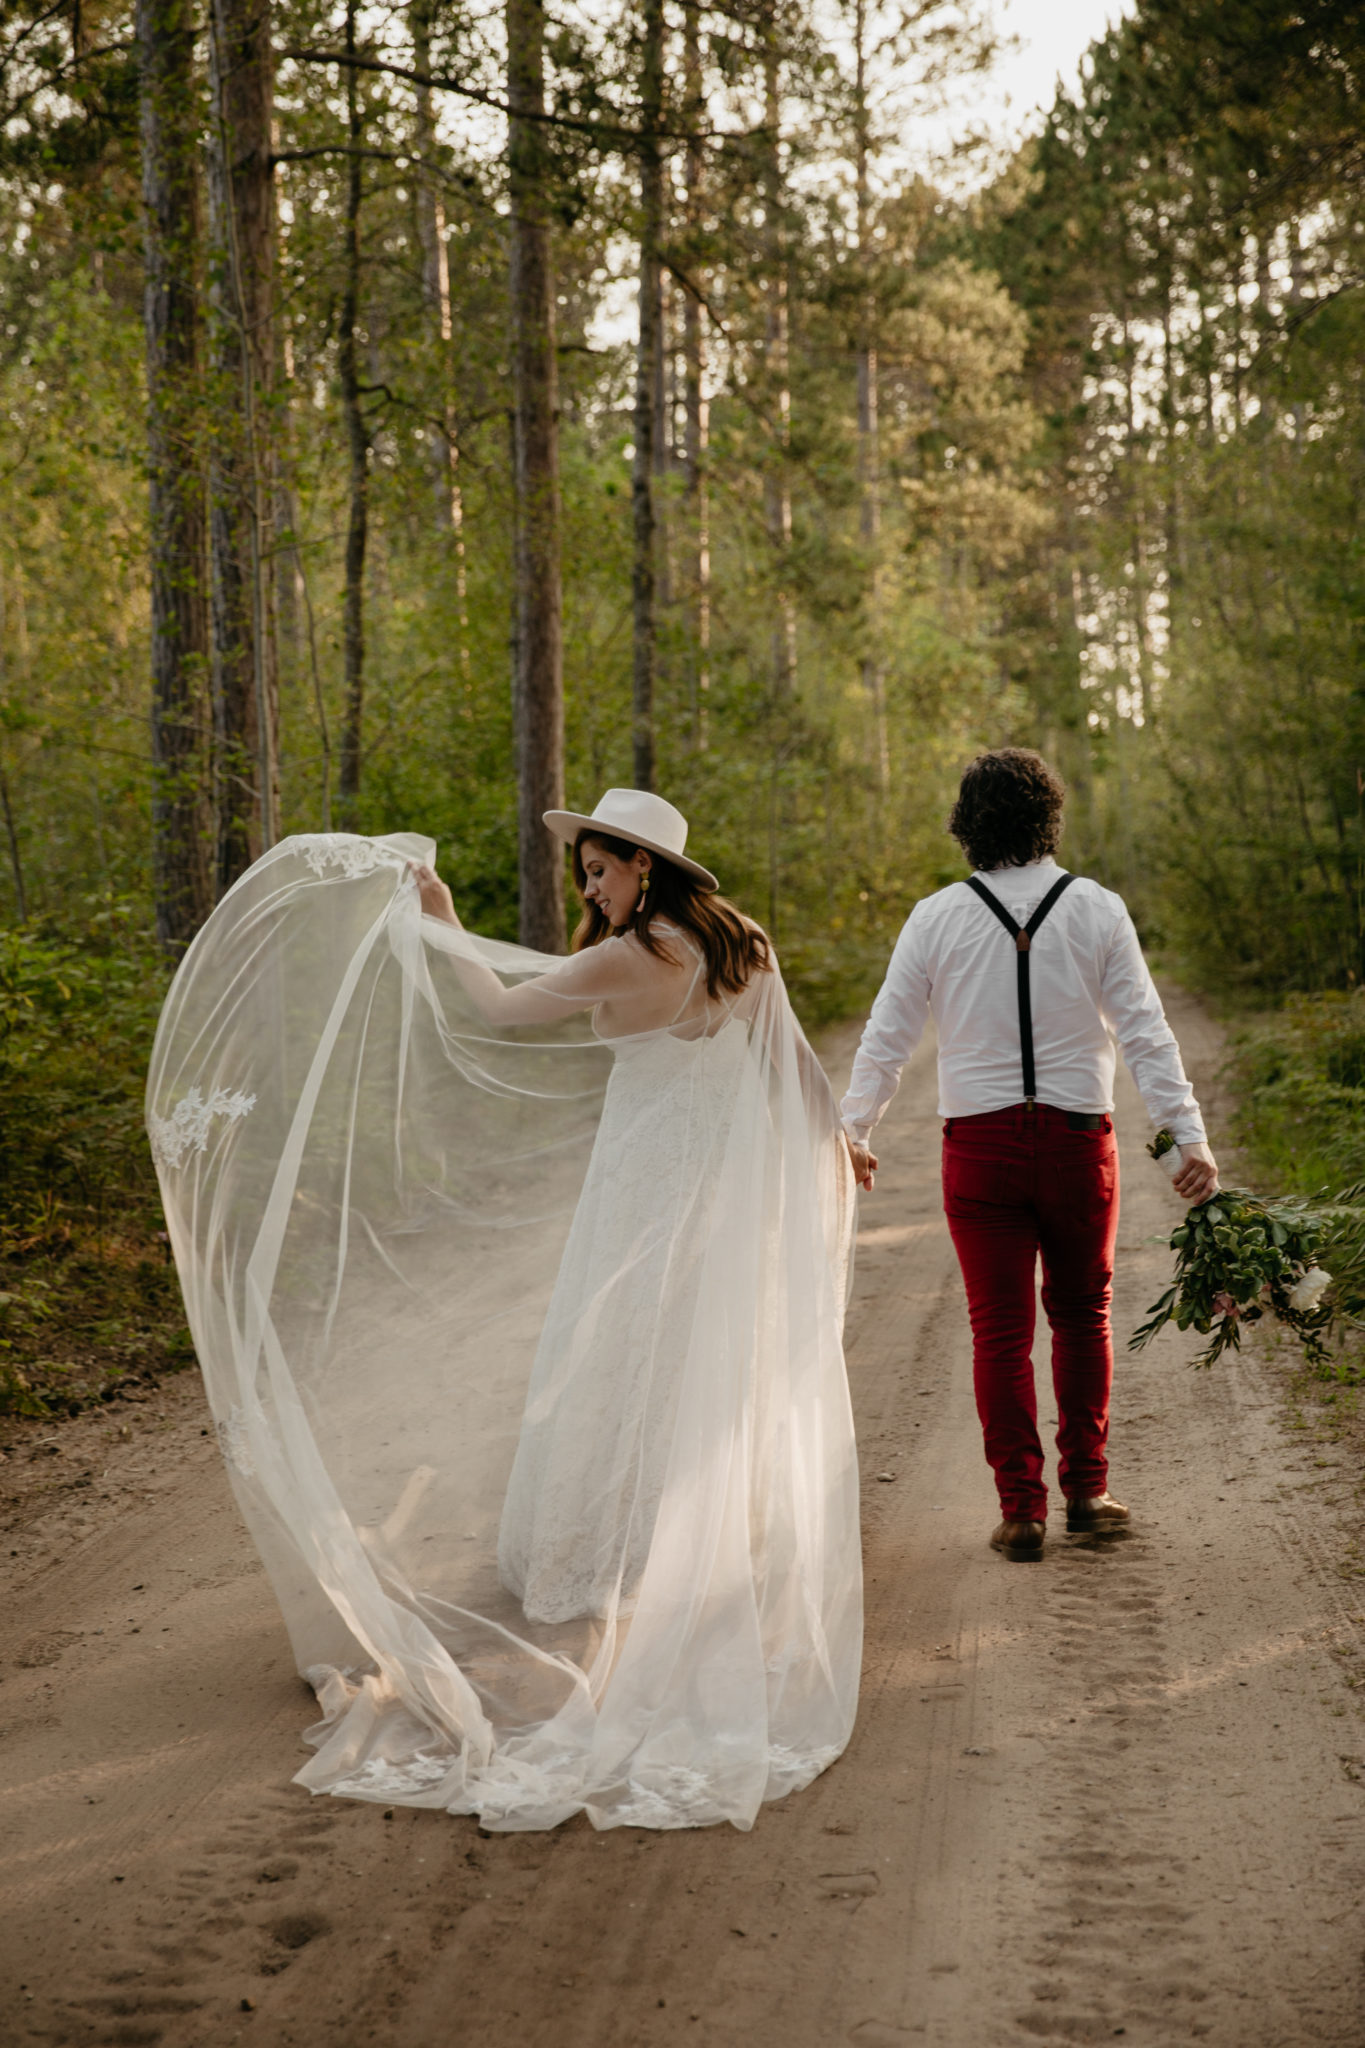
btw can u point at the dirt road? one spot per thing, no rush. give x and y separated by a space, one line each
1117 1794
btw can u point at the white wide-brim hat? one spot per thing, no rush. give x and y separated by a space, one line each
642 818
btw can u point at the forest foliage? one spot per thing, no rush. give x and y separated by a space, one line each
1117 447
1189 247
1072 461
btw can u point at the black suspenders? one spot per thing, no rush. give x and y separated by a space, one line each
1023 936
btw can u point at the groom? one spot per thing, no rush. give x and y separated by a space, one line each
1032 975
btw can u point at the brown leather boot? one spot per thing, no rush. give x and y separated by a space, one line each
1102 1515
1021 1542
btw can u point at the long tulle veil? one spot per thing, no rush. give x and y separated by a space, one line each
368 1190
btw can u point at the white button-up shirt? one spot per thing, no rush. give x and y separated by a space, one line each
1089 988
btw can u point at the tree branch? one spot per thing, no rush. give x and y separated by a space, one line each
28 31
303 156
60 71
615 131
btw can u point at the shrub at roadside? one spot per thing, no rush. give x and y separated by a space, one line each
88 1299
1299 1078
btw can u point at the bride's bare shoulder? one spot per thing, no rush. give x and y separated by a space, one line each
641 959
670 948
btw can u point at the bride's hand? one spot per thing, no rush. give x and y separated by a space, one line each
437 900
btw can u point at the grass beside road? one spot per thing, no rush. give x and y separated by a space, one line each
89 1303
1299 1080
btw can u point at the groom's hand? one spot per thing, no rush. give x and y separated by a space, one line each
864 1162
1198 1175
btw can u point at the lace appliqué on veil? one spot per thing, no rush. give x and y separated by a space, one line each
678 1797
683 1797
378 1776
791 1770
187 1127
232 1442
344 850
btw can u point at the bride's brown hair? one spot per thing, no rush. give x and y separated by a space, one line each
732 948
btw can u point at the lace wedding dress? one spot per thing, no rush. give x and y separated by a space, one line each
522 1338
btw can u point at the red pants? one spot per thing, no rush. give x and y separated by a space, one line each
1016 1183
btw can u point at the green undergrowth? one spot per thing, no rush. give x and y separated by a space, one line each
88 1299
829 982
1299 1081
1299 1078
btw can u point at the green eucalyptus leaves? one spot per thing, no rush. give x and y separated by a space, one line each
1238 1259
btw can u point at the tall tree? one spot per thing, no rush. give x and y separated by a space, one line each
241 485
172 243
289 578
538 684
696 405
443 434
357 448
777 482
648 379
869 460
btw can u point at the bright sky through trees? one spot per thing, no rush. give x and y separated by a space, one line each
1043 42
1049 39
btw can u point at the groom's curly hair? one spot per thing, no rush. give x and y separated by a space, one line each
1009 809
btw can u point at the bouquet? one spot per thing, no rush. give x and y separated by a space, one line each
1238 1258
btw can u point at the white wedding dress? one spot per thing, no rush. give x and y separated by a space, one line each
601 1408
523 1342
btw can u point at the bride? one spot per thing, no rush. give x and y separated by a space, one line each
517 1283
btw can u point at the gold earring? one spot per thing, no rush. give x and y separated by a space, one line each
644 882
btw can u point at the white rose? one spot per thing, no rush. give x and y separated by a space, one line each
1309 1289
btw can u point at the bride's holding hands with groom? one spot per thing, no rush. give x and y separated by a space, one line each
551 1458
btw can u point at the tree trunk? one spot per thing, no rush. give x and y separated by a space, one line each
172 243
289 592
869 464
696 408
777 487
443 438
242 225
1173 545
6 805
358 446
648 366
1139 678
663 440
16 865
538 691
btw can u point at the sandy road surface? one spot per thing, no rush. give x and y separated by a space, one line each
1117 1794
